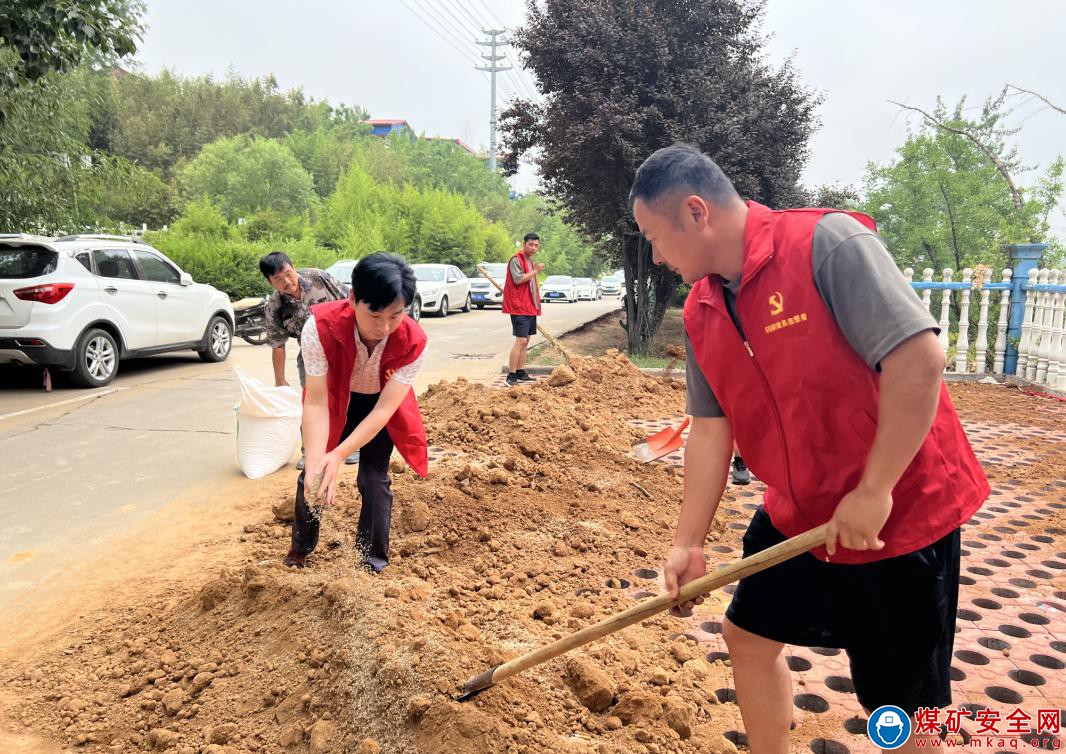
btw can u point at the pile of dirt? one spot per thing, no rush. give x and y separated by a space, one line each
569 434
531 529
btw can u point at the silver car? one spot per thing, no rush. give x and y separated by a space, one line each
482 292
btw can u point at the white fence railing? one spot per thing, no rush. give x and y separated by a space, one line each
1026 335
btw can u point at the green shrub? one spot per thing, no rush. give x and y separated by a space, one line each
232 265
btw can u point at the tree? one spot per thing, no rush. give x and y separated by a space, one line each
431 225
325 150
51 36
47 171
621 78
944 202
131 196
160 122
244 175
834 196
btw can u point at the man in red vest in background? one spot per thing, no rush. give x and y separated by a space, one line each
361 355
521 299
811 350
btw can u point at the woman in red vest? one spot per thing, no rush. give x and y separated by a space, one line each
812 351
361 355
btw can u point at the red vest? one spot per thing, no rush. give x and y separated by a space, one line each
336 331
803 405
519 299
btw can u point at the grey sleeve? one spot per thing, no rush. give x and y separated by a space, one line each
700 401
869 298
336 288
276 335
516 271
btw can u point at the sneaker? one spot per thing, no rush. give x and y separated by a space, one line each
295 559
300 464
352 459
741 475
523 376
512 379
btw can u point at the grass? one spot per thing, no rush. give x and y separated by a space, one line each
649 362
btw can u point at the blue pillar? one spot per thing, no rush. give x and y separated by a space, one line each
1023 257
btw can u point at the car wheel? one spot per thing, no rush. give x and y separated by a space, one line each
480 306
466 306
97 359
218 340
416 308
444 307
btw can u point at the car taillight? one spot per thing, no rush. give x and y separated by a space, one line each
51 293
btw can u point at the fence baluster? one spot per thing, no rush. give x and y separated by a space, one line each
982 328
1036 335
1027 326
1055 333
945 308
962 344
1042 347
927 294
1001 328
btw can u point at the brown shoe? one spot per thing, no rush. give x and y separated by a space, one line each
295 559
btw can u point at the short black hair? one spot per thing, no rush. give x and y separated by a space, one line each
381 278
530 237
273 263
681 167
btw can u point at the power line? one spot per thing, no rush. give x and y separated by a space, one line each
476 23
455 32
491 16
522 76
434 29
518 78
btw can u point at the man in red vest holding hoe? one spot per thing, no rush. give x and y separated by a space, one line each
521 299
811 350
361 355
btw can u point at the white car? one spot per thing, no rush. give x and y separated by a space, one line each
611 286
482 292
342 270
559 288
443 288
586 289
84 303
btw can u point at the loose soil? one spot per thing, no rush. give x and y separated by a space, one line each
528 530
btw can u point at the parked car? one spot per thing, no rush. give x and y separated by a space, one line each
586 289
482 292
611 286
558 288
342 271
442 287
84 303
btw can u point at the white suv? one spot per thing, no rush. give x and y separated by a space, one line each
83 303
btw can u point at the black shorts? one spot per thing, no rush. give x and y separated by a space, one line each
895 618
523 325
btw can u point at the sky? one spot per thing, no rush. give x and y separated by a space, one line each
414 59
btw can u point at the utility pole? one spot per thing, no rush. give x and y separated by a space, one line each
493 68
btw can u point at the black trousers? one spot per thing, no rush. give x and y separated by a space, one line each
375 489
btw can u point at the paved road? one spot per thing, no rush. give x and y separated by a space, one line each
80 466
